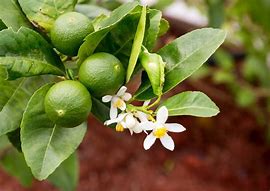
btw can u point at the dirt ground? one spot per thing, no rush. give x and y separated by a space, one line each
223 153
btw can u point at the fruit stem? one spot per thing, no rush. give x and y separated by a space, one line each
154 103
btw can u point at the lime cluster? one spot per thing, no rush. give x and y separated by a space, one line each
68 103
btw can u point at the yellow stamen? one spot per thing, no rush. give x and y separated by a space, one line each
119 128
160 132
118 103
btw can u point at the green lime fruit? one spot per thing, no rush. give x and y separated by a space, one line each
68 103
68 32
102 73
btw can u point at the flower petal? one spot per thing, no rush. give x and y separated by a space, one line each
111 121
146 103
147 126
136 129
167 142
107 98
149 141
141 115
121 91
113 112
162 115
130 121
126 96
123 105
175 127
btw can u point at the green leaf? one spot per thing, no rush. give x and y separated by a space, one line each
42 13
14 105
152 32
137 44
154 66
66 175
7 87
26 53
14 163
191 103
100 110
106 25
91 11
184 56
44 144
12 16
163 27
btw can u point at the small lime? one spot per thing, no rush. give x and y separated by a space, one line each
68 103
68 32
102 74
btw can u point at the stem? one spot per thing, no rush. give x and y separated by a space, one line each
155 102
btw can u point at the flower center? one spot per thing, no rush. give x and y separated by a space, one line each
160 132
119 128
118 103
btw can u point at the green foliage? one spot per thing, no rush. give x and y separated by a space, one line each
42 13
154 66
53 144
184 56
25 53
66 175
153 31
14 163
91 11
137 44
191 103
12 16
28 61
105 26
14 106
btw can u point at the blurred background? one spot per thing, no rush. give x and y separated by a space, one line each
229 152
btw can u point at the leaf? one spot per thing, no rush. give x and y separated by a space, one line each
66 175
26 53
52 144
154 27
14 163
191 103
14 105
7 87
43 13
163 27
184 56
154 66
12 16
100 110
137 44
91 11
92 40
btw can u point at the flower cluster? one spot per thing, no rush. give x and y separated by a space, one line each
140 119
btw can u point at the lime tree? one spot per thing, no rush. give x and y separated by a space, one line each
68 32
68 103
102 74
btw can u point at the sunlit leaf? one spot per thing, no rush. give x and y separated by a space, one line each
44 144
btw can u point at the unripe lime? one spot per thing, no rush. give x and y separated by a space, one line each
102 74
68 103
68 32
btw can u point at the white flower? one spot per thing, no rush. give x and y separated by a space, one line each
159 130
125 121
117 101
